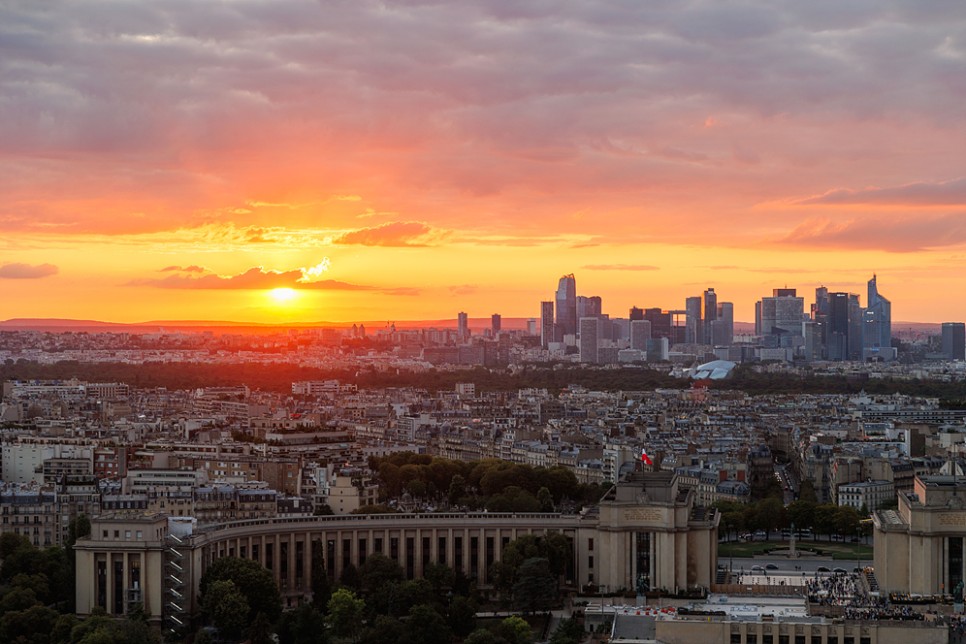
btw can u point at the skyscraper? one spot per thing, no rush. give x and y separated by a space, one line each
640 334
692 322
710 314
877 326
782 313
496 321
837 328
723 328
589 306
546 324
462 326
589 333
567 306
954 340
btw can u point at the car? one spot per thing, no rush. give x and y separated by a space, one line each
757 568
839 570
771 567
822 569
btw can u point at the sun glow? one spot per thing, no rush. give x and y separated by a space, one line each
282 295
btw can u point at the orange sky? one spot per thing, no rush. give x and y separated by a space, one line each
171 160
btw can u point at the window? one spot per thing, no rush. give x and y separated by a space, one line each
590 544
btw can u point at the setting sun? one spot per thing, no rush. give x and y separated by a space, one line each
283 295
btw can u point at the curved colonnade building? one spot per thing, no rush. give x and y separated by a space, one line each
645 534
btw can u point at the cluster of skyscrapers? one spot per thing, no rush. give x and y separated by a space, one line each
571 320
835 327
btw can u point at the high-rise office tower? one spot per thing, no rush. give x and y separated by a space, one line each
782 313
710 314
640 334
588 343
723 328
462 327
567 305
588 306
546 324
635 314
692 322
877 326
821 305
838 326
496 321
856 316
660 322
954 340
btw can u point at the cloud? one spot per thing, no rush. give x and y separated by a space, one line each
184 269
395 233
621 267
464 289
16 271
920 193
894 234
258 278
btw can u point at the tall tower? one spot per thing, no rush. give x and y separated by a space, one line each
693 332
589 334
496 321
877 330
462 326
567 305
546 324
710 314
954 340
640 334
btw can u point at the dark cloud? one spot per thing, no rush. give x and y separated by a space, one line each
17 271
920 193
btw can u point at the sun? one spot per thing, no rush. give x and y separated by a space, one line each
283 295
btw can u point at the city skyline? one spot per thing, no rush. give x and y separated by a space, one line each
284 162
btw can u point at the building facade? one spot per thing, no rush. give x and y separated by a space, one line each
647 534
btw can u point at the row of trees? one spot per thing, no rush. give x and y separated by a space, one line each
825 519
553 377
496 485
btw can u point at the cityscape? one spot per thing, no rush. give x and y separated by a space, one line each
482 322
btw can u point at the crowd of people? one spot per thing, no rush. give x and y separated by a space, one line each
839 589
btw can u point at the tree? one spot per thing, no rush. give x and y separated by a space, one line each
377 573
483 636
304 625
425 624
462 615
457 489
545 500
32 625
260 632
225 605
535 587
515 630
253 581
345 612
567 632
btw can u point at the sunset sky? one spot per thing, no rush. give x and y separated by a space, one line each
176 159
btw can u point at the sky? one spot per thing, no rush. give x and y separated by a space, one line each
289 161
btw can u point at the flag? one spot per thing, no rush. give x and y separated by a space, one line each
645 458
